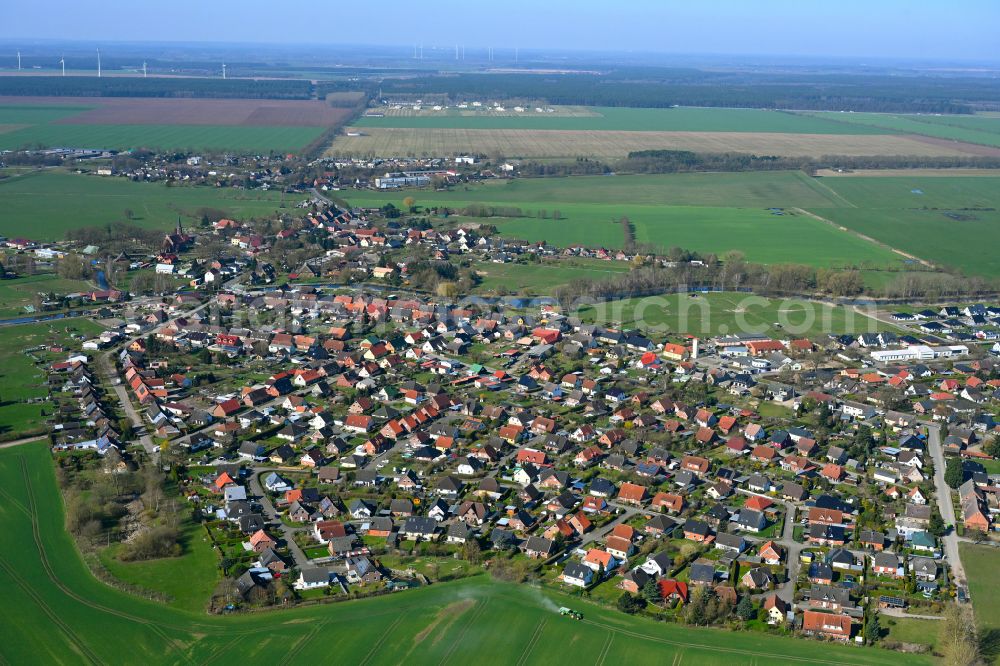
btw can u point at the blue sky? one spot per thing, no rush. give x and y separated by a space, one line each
926 29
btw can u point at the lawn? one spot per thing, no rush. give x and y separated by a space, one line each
911 630
45 205
681 119
56 612
702 212
727 313
21 380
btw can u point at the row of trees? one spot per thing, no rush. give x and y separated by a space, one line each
661 87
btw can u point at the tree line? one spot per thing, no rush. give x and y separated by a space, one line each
683 161
659 87
735 273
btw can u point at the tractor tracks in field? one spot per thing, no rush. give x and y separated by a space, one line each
716 648
32 510
523 659
473 619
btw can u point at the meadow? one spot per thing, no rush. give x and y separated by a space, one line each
981 564
542 278
21 380
47 204
21 292
722 313
56 612
949 221
704 212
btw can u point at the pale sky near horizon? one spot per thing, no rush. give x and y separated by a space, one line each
924 29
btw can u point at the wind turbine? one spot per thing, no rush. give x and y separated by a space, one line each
223 70
98 63
19 61
62 61
143 69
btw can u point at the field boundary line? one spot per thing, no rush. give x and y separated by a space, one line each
864 237
526 652
818 186
50 573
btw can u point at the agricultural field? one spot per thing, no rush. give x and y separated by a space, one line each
23 403
949 221
47 204
61 614
981 564
617 144
851 220
612 132
703 212
168 124
680 119
722 313
969 129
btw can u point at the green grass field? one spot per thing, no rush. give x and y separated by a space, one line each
29 126
189 579
682 119
703 212
726 313
54 611
971 129
20 292
981 564
910 630
543 278
45 205
951 221
21 380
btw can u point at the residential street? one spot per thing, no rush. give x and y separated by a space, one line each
792 548
272 515
945 506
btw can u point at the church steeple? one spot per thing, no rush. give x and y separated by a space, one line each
180 230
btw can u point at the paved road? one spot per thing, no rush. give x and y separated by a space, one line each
945 505
107 366
899 612
792 548
626 513
287 532
19 442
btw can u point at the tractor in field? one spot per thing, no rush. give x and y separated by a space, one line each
569 612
